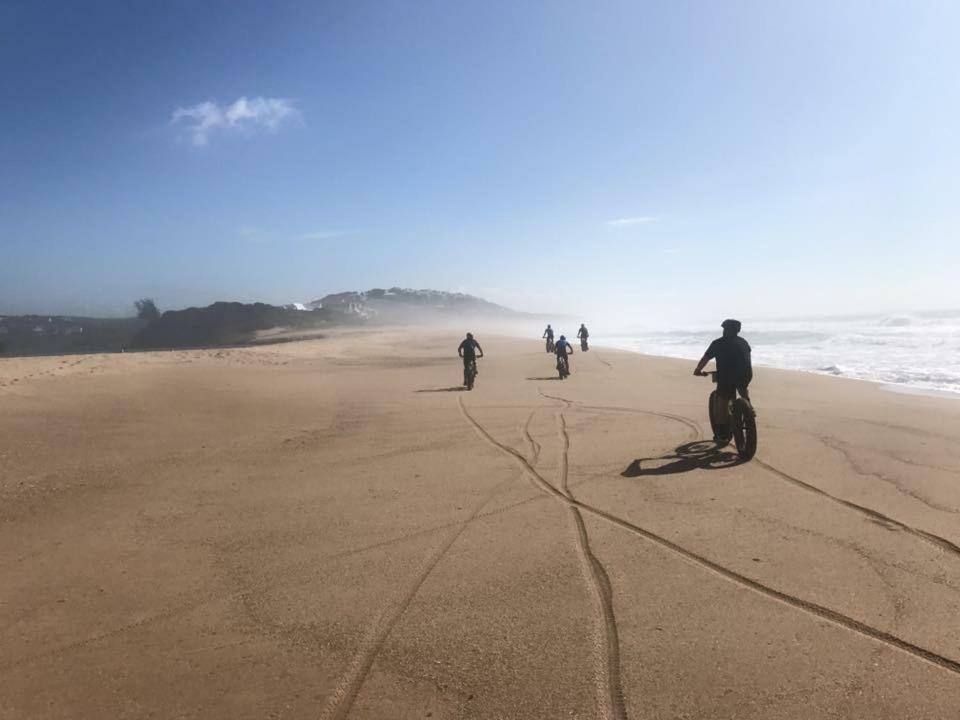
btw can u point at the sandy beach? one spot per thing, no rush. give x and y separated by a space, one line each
333 528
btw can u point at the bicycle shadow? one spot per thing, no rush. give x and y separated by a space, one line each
697 455
455 388
539 379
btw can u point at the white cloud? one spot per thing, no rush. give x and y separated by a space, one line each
640 220
245 115
321 235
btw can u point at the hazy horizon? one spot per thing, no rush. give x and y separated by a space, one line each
667 162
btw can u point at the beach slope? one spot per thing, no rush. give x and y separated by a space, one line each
334 528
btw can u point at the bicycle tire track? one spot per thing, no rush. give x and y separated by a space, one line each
535 447
848 457
345 693
609 683
697 433
832 616
271 580
870 513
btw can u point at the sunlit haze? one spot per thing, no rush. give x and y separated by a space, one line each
633 162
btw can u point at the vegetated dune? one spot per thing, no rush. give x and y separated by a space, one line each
233 323
225 323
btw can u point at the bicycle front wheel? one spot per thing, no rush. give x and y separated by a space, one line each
712 411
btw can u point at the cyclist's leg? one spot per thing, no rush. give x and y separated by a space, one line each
725 395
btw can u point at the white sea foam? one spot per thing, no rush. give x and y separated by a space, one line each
920 350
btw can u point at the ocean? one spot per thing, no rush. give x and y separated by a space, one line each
913 350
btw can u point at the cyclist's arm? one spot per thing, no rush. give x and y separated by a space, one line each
480 349
701 365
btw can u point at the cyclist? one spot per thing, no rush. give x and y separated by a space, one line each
548 334
563 350
583 334
734 369
468 350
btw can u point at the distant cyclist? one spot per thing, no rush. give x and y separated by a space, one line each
468 350
548 334
563 350
734 368
583 334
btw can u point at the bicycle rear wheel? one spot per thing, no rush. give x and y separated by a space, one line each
744 429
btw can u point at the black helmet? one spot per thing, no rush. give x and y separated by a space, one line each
731 325
469 336
563 337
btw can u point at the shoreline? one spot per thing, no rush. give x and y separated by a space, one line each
895 387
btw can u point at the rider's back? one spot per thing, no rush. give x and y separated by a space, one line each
732 354
468 348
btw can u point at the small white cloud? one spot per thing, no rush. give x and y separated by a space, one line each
639 220
245 115
321 235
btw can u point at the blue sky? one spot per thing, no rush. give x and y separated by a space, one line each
670 160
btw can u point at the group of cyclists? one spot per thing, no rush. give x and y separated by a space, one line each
730 351
562 349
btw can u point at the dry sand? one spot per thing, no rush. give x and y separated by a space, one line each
331 528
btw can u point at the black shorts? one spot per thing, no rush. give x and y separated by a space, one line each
729 389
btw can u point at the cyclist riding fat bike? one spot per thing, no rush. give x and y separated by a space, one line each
563 350
583 334
468 350
734 369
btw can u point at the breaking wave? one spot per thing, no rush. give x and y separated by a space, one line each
920 350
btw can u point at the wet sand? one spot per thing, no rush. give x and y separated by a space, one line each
333 528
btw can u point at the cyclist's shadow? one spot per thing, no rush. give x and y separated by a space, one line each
697 455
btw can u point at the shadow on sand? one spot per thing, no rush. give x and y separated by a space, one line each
455 388
538 379
698 455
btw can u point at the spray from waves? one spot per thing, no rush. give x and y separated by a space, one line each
920 350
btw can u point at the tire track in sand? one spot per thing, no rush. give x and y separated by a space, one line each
609 684
273 579
808 607
345 693
869 513
696 433
534 445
